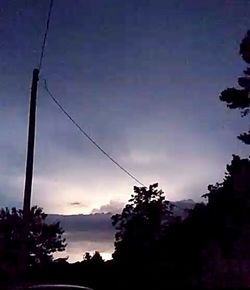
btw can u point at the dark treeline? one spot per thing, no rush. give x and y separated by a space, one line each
154 249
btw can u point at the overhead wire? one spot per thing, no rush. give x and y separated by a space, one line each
45 35
88 136
62 108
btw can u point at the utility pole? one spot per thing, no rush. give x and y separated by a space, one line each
29 173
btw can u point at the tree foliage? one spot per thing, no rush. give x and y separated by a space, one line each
95 259
236 98
150 240
141 223
213 232
43 239
228 202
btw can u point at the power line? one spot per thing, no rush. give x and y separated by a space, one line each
87 135
45 34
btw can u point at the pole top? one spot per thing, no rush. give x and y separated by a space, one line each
36 73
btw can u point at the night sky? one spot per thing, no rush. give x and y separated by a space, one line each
143 78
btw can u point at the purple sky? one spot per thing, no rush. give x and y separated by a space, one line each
142 77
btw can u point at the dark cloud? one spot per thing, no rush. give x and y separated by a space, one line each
86 233
84 223
77 204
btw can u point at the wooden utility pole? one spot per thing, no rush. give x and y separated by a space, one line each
29 172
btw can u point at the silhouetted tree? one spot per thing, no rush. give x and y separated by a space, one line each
227 228
212 234
97 258
141 224
240 98
228 202
43 240
87 257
